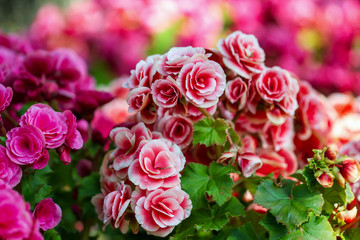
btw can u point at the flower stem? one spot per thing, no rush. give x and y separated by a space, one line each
10 118
236 117
349 225
203 111
333 213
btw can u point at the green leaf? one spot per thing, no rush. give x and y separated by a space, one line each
245 232
336 194
275 229
311 181
220 183
208 219
217 217
299 175
290 204
90 186
34 185
51 234
234 138
352 234
194 181
318 228
210 131
197 180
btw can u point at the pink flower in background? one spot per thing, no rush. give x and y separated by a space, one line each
281 162
158 165
117 111
47 213
165 92
242 53
68 66
159 211
278 137
10 172
26 146
39 63
6 95
52 124
172 62
202 83
16 221
176 129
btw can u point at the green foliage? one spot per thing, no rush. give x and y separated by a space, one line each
209 131
210 218
245 232
35 185
291 204
89 186
353 234
214 182
336 194
199 180
311 181
51 234
317 228
275 229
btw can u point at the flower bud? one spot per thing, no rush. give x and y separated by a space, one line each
249 163
348 215
226 156
325 180
248 197
350 170
331 153
317 156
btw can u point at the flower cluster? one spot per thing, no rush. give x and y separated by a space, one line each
45 76
42 128
38 137
142 173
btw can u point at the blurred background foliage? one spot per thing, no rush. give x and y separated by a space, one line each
17 15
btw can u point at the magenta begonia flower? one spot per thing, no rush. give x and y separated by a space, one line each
16 221
51 123
73 138
6 95
47 213
26 146
10 172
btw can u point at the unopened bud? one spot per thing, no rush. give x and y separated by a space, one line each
317 156
248 197
350 170
331 153
249 163
348 215
325 180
